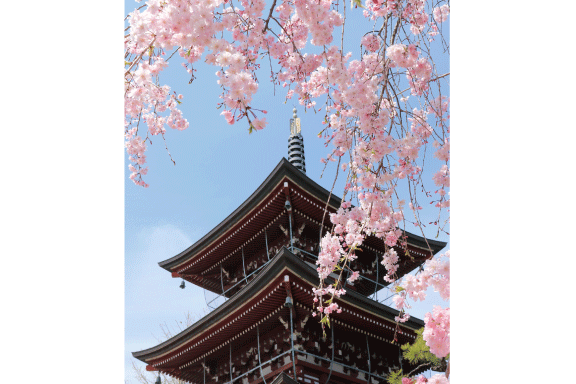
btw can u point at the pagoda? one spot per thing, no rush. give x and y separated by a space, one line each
261 259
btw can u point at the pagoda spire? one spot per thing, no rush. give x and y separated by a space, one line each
296 144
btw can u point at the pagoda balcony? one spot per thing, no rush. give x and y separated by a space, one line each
363 284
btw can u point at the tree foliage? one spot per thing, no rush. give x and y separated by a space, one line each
418 354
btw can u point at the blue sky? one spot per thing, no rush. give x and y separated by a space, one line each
217 167
64 188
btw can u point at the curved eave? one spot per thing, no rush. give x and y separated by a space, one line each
284 260
283 169
423 243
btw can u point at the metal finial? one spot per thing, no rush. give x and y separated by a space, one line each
295 124
296 143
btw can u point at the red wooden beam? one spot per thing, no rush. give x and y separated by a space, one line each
274 373
286 190
287 287
176 274
342 376
150 368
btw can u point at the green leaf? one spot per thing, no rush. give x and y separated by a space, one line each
358 3
418 352
395 377
399 289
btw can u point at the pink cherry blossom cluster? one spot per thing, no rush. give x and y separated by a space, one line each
419 124
326 307
402 55
370 42
436 379
441 13
437 331
439 107
419 77
443 152
379 8
317 17
390 262
415 12
330 253
192 27
442 177
136 147
419 380
355 275
435 273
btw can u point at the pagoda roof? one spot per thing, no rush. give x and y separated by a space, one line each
258 301
283 170
265 206
283 378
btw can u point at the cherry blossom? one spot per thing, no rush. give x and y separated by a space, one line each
437 331
383 109
441 13
438 379
371 42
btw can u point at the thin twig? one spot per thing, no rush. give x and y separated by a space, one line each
269 16
140 56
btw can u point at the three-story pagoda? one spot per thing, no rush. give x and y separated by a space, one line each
262 259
